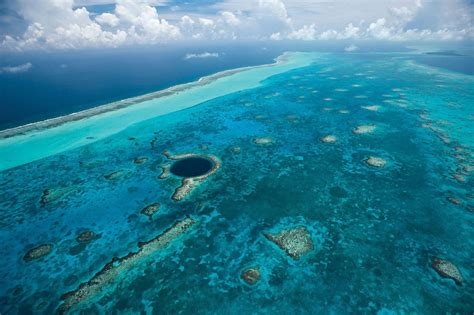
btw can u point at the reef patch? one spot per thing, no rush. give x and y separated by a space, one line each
447 269
85 236
115 175
372 108
263 141
296 242
250 275
53 195
38 252
329 139
364 129
376 162
140 160
117 266
150 210
165 171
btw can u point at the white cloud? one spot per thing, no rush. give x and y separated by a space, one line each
16 69
307 32
65 24
107 19
351 48
201 55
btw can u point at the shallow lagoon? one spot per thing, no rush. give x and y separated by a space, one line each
374 230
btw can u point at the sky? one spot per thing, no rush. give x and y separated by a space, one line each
27 25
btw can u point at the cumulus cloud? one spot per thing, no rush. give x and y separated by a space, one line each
59 25
16 69
351 48
201 55
68 24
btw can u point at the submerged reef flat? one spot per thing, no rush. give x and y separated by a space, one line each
188 184
107 275
296 242
364 129
38 252
447 269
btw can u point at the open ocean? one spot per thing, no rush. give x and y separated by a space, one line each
332 183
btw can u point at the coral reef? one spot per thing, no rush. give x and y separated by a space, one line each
165 171
38 252
56 194
117 266
140 160
459 178
235 150
329 139
85 236
188 184
263 141
447 269
150 210
363 129
115 175
374 161
372 108
454 201
296 242
250 275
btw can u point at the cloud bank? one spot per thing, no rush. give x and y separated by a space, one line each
16 69
66 24
201 56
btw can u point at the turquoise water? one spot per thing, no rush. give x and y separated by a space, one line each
374 230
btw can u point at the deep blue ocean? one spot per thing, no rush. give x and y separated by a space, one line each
61 83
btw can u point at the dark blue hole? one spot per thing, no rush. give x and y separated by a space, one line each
192 167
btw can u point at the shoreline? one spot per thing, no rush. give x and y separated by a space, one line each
117 105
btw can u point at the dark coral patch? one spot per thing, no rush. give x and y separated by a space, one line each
38 252
150 210
85 237
250 275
